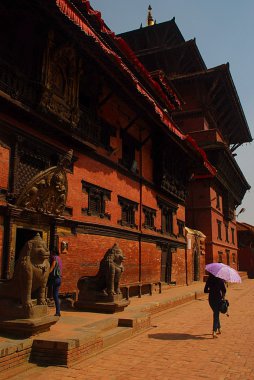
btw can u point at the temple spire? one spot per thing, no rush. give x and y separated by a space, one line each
150 20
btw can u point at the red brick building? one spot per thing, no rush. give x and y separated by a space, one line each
68 83
245 237
213 116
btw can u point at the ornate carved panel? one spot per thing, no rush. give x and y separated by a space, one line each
61 80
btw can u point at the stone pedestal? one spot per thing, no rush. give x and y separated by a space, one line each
101 303
15 320
23 328
10 309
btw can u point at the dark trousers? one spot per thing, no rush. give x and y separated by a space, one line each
214 304
55 287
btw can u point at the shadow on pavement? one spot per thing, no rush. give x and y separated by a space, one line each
179 336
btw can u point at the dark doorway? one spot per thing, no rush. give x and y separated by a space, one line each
22 236
166 265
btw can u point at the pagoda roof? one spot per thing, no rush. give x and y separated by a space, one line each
216 93
163 47
245 226
166 34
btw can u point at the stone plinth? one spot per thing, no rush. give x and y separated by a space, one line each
27 327
102 303
10 309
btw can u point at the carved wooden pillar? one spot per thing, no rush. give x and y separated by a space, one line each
9 245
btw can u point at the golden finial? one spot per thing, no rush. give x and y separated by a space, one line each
150 20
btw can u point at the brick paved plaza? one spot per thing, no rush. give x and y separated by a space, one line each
178 346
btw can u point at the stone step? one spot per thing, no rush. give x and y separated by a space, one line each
103 325
116 335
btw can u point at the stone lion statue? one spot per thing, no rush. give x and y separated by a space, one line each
110 271
30 275
107 280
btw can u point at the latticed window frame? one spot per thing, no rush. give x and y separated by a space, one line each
168 210
220 257
150 215
97 197
181 226
128 209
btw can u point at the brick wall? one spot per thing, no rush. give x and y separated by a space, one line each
178 267
4 167
14 354
86 251
1 244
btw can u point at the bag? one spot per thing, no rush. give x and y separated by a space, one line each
223 306
56 273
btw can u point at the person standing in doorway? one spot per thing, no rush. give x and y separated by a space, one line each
55 278
215 286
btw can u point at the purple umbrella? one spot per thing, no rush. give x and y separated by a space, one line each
223 271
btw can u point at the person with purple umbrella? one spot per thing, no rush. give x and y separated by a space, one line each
216 288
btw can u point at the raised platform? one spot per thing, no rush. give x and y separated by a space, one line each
89 340
79 334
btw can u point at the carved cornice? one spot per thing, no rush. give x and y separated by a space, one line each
96 229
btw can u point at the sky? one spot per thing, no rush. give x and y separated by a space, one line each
224 31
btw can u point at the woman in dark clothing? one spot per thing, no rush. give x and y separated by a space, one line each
55 274
216 288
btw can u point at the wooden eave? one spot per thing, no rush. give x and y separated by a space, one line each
183 58
217 94
229 173
166 85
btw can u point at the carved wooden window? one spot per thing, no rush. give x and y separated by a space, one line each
128 209
97 197
233 258
150 214
219 230
226 232
129 145
107 130
167 216
29 159
217 201
220 257
228 256
233 235
180 224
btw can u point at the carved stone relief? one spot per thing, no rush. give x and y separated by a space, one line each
47 191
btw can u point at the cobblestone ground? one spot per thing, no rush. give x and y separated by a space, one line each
179 346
